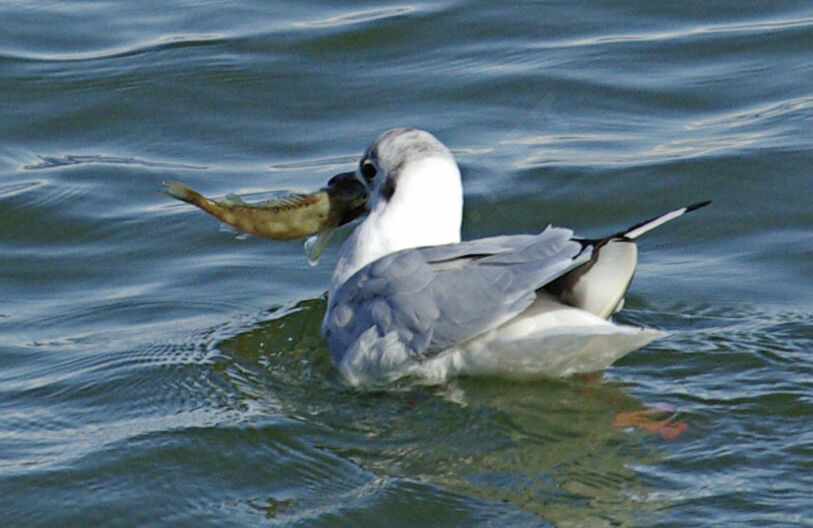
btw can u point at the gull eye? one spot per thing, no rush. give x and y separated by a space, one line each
368 170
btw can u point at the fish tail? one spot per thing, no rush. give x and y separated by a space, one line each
182 192
224 213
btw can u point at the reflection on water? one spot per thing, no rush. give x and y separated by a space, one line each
562 449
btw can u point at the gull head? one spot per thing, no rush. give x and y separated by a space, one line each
416 199
405 158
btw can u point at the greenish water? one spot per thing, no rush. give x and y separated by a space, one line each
156 370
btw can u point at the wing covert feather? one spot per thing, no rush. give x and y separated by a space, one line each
431 303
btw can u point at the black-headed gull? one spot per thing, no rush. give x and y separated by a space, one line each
408 298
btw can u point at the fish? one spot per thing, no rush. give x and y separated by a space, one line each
290 217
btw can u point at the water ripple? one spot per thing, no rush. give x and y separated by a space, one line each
756 115
320 164
624 150
357 17
13 188
164 43
750 27
67 160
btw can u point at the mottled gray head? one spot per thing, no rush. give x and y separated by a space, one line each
391 152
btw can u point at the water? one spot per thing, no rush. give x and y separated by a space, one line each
158 371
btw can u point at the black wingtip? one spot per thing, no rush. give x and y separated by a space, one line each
697 205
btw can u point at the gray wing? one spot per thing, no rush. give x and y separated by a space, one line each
433 298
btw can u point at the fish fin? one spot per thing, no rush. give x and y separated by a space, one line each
315 244
233 199
289 201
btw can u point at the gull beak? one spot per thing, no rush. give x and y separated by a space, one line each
349 193
346 180
348 200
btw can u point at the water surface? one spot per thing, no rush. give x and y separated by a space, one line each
156 370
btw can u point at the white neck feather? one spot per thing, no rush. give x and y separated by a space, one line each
425 210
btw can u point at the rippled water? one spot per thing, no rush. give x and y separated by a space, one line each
156 370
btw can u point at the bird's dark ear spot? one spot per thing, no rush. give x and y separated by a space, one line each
389 189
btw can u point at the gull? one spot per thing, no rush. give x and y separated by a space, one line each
407 298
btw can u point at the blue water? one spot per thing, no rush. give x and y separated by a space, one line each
157 370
